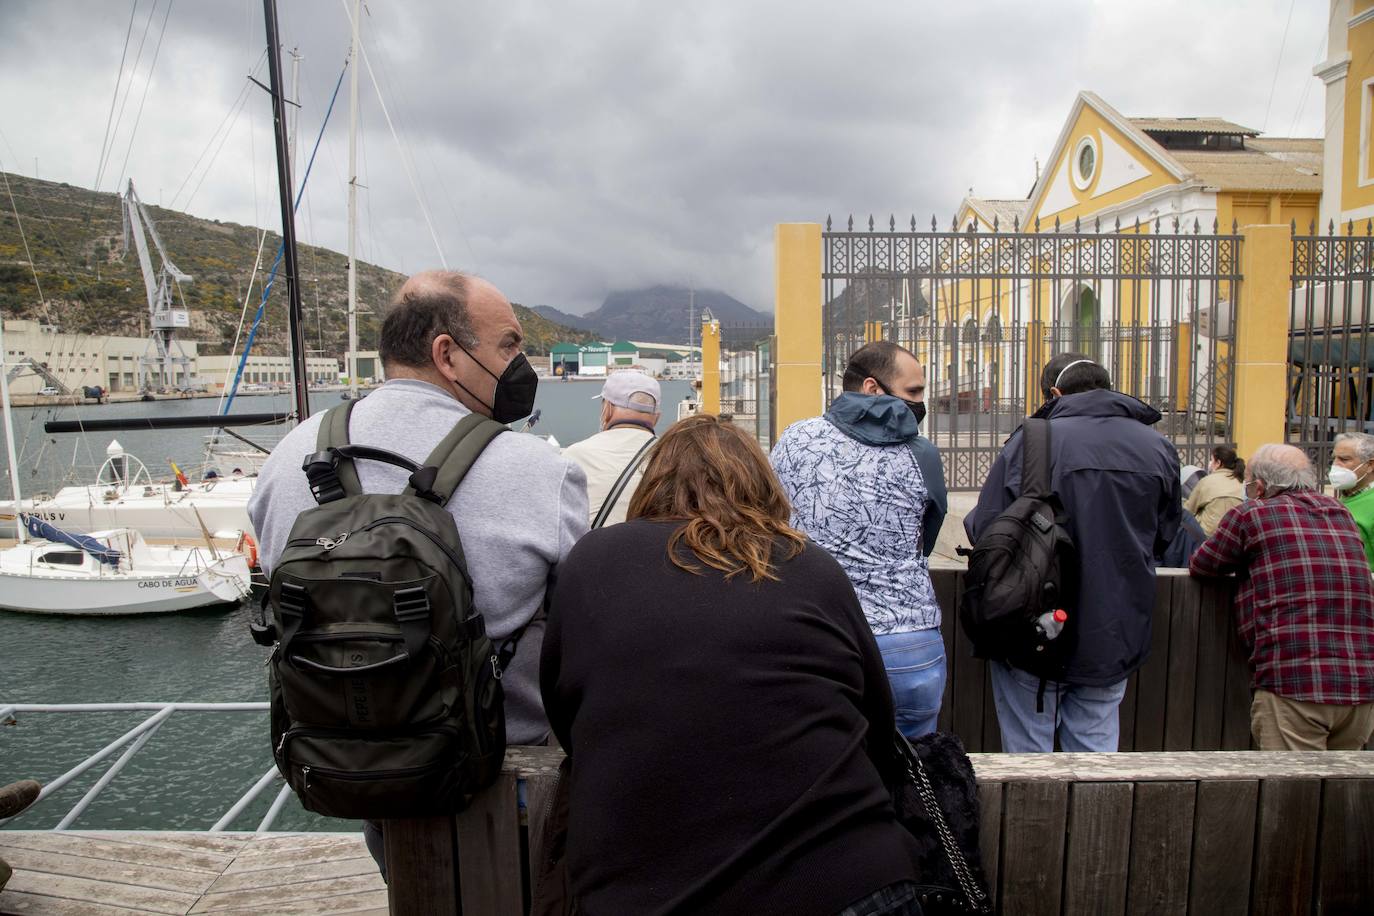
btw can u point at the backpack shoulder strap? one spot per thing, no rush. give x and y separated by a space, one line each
334 434
1035 458
457 452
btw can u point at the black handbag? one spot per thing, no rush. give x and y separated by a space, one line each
936 799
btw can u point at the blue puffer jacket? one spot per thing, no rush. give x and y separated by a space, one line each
1119 482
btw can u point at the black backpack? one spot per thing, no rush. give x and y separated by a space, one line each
386 691
1023 567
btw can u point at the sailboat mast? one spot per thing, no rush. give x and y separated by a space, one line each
351 359
9 433
285 187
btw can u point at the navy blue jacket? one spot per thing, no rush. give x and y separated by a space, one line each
1119 482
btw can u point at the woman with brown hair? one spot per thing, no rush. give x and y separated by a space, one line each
711 675
1220 491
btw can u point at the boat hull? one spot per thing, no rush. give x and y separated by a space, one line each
105 596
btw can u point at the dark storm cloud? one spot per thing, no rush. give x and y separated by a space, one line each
568 149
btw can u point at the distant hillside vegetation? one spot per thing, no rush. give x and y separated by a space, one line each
658 314
75 237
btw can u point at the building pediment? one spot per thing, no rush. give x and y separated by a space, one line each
1099 161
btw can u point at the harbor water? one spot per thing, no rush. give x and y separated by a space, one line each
198 763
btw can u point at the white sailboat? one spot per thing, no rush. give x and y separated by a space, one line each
124 495
110 572
117 573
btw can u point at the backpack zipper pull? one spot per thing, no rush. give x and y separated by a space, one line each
495 667
305 773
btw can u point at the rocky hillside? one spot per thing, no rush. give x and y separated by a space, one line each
75 239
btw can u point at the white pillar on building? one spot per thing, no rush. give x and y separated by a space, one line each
1332 72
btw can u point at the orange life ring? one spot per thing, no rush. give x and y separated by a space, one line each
250 547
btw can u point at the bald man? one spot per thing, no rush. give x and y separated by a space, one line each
450 346
1305 606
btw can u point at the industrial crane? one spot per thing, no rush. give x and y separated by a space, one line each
164 363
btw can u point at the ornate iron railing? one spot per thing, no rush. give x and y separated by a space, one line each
985 311
1331 341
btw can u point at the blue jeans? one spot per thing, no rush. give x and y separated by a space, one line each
1085 718
915 664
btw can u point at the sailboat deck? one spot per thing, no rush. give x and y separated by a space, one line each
106 872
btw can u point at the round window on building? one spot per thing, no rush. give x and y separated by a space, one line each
1084 163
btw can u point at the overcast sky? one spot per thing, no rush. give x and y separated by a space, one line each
567 149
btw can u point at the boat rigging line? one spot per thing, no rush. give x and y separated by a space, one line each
277 261
114 100
108 147
147 84
408 166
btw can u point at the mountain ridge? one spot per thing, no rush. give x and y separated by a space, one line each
658 314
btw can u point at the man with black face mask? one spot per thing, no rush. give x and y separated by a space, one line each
865 485
451 346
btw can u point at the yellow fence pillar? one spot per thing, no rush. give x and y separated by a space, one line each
797 321
1183 365
710 367
1261 350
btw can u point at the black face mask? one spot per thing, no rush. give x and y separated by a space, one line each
515 388
917 408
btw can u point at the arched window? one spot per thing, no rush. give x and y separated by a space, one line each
1079 322
969 335
992 329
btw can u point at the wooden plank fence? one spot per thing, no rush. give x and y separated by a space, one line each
1192 694
1095 834
1176 827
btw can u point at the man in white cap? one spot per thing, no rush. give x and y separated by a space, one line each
614 457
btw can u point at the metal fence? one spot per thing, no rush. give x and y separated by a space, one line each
130 742
746 378
1331 344
985 311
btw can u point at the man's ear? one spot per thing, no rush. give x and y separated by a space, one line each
1055 392
871 386
441 354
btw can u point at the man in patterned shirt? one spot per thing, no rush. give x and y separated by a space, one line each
1305 606
868 488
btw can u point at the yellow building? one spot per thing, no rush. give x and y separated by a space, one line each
1140 175
1348 73
1107 167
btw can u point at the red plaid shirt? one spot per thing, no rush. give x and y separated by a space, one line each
1306 601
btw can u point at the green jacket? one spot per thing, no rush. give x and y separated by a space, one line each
1361 506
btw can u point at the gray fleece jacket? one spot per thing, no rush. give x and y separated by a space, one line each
519 511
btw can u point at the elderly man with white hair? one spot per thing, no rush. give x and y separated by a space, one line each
1305 606
613 459
1352 477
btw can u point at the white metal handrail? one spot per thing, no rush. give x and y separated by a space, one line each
133 741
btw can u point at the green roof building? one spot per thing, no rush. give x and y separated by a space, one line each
624 353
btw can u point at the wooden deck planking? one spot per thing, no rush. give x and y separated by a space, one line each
56 863
58 873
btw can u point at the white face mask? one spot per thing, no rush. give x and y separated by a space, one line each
1342 478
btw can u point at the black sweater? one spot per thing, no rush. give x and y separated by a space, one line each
718 732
